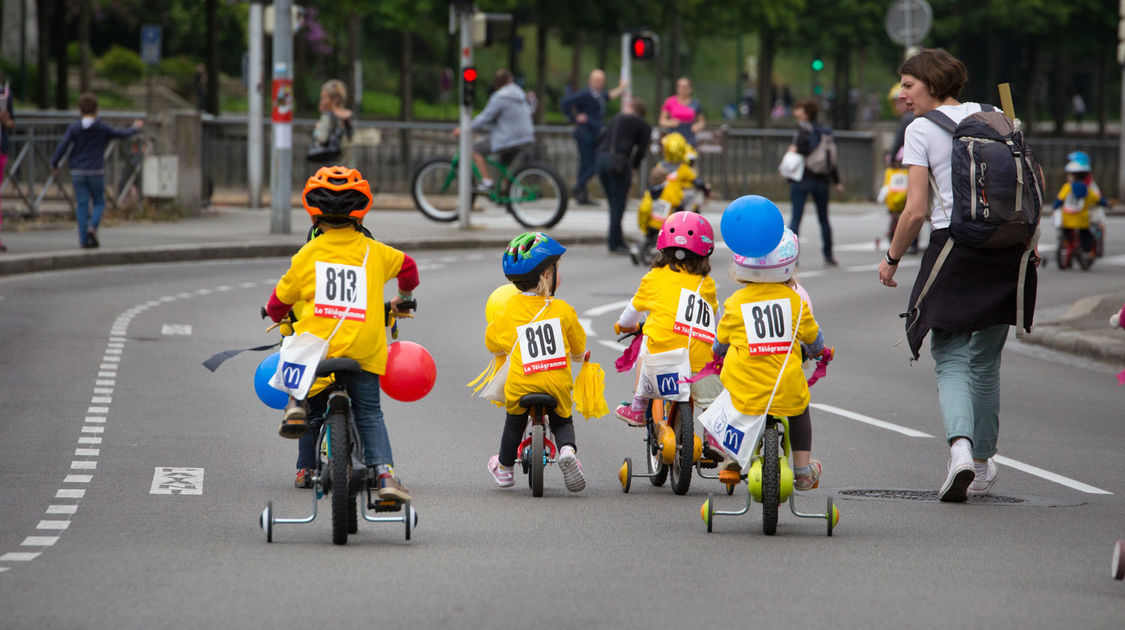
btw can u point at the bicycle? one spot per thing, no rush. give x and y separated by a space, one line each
1070 249
537 450
768 481
341 471
532 192
672 448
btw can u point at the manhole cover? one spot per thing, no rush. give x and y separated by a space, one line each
932 496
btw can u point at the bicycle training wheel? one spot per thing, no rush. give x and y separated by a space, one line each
435 189
537 197
340 473
680 470
537 465
771 480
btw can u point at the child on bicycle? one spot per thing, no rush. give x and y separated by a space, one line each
678 294
1083 208
542 337
671 184
760 323
341 273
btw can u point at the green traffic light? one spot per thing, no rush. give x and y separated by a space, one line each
817 65
818 90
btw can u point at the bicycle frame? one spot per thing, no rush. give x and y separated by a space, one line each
496 193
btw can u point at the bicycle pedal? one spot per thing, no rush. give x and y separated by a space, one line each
384 506
730 477
708 463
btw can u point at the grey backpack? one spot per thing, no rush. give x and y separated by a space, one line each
822 158
997 191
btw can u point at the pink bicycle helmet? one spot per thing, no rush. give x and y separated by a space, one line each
776 266
686 232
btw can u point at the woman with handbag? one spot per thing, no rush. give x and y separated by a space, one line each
621 149
334 127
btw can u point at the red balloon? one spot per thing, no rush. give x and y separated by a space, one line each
411 372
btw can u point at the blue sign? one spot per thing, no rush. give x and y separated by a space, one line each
150 44
291 374
668 384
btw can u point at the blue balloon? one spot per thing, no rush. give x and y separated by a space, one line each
273 398
752 226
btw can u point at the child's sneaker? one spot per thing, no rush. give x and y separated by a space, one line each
630 416
809 480
304 478
389 488
504 476
571 469
295 422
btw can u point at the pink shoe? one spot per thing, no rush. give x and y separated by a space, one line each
504 476
629 416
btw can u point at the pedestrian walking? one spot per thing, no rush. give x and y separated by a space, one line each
620 151
816 143
970 304
89 137
586 110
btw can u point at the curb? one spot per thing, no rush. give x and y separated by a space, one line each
57 261
1100 346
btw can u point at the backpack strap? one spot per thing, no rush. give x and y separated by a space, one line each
941 120
945 249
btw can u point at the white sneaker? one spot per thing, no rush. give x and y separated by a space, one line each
959 476
986 474
571 469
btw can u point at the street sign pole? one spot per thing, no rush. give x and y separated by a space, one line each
281 170
465 149
627 70
254 118
1121 126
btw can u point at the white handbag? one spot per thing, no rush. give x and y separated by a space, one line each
661 373
792 166
493 388
737 432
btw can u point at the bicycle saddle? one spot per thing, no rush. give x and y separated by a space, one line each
546 401
338 364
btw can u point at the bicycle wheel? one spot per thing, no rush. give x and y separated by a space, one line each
435 189
536 196
537 466
685 447
340 473
771 480
656 469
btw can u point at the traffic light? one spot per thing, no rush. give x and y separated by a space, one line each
642 46
468 85
817 64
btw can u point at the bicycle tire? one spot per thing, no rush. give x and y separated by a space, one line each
657 470
434 188
680 470
537 196
1085 260
339 471
771 479
537 467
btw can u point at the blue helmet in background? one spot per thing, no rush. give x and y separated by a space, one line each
529 254
1079 157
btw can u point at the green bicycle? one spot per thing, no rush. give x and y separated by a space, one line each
532 192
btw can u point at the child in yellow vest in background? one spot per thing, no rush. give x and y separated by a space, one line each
1079 206
669 183
679 296
762 323
543 336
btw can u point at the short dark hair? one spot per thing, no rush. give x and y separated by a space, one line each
502 77
944 75
639 108
812 109
88 103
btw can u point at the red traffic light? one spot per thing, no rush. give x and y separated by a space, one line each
643 47
469 74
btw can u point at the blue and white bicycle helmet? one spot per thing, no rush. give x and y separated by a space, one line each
529 254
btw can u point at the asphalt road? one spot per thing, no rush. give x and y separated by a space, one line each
103 386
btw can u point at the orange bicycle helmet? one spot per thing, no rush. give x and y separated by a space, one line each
337 194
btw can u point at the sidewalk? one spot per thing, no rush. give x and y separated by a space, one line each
1084 329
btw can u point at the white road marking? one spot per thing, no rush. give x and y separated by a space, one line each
113 350
78 479
89 440
882 424
62 509
59 525
39 541
84 464
90 429
103 390
175 329
585 322
612 344
176 480
605 308
68 493
19 556
1048 475
87 452
101 400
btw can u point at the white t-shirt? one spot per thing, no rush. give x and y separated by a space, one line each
931 146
